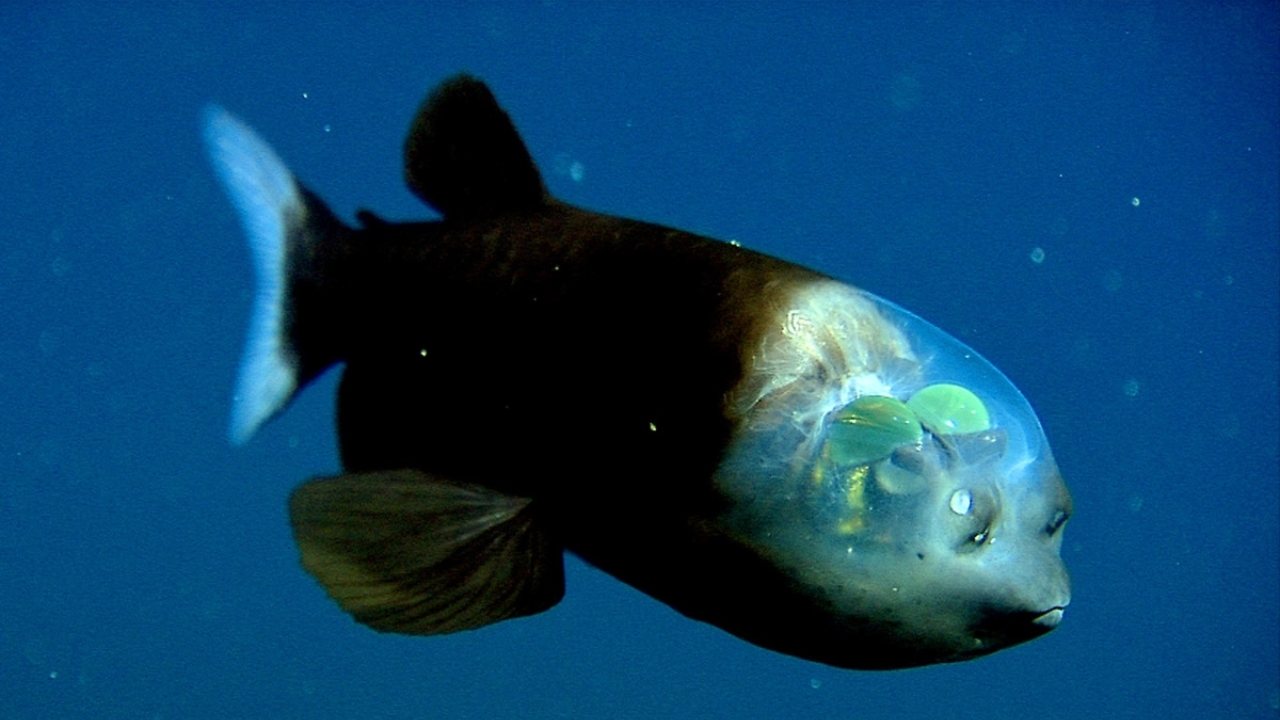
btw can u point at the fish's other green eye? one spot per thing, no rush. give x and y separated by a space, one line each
947 409
871 428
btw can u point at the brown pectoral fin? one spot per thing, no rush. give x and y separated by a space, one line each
407 552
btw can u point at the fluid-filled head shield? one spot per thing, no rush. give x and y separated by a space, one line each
899 478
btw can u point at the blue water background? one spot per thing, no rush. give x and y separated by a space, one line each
921 150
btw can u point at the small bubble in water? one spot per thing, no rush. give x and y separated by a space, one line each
1037 255
1131 387
59 266
815 683
1135 201
565 165
328 127
1112 280
49 341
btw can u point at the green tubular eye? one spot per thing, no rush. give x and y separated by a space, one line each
871 428
948 409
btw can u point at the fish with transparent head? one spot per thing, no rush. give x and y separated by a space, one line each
754 443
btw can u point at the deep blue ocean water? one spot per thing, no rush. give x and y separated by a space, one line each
925 151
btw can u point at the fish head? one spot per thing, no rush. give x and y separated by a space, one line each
901 484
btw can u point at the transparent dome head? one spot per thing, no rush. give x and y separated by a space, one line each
894 473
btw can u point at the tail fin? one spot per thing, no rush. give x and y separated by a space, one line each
274 211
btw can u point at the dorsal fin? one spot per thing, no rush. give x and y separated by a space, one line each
464 157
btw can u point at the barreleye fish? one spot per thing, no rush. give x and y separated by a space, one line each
754 443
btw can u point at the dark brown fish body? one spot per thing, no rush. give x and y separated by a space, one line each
524 377
528 328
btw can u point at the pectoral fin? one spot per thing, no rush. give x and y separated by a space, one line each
406 552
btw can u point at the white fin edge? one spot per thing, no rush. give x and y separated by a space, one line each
266 198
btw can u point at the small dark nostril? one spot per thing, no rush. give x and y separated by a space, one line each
1055 524
909 458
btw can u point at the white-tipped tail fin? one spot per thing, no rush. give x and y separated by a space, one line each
268 200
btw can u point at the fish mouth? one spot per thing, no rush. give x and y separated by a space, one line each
1050 618
1012 628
